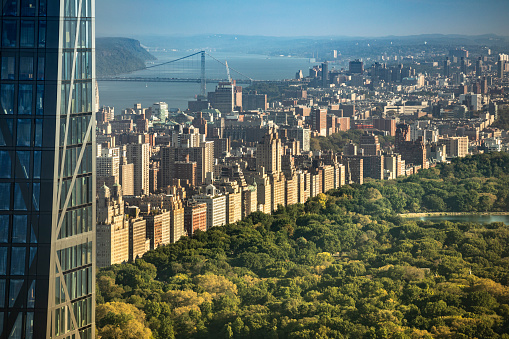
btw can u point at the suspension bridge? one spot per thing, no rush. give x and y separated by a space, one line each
194 71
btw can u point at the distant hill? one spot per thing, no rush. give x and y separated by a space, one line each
120 55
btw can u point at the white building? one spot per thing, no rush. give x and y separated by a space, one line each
216 206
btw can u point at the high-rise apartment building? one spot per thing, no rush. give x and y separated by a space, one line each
356 67
47 172
325 74
320 121
447 67
112 230
139 156
174 158
269 152
160 110
223 97
216 206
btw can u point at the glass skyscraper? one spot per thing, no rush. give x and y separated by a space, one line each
47 162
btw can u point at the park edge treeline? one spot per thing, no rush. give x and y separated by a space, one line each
342 265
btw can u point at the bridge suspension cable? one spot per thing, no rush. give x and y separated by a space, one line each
226 65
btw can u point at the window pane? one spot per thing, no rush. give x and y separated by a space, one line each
25 99
19 201
37 164
42 7
24 129
8 67
23 168
36 194
38 133
31 295
40 69
17 328
35 222
3 260
2 295
6 139
29 331
15 287
42 33
11 8
39 104
27 33
9 33
4 229
5 196
19 229
26 68
33 253
18 261
28 8
5 167
7 98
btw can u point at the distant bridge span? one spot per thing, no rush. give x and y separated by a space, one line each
202 80
191 80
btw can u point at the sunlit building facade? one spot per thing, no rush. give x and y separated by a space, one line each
47 157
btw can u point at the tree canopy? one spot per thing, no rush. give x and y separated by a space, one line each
343 265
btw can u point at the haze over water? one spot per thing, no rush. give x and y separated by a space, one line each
122 95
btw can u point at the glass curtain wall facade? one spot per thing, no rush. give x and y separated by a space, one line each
47 162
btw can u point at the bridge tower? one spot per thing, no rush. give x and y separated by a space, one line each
203 80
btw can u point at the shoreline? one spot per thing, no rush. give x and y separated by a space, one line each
439 214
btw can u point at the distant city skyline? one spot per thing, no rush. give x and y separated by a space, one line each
362 18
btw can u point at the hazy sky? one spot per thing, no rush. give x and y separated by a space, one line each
301 17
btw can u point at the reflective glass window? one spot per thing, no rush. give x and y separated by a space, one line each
39 103
24 131
19 229
5 167
10 8
3 260
26 68
7 98
17 328
9 33
33 253
27 36
37 165
42 33
35 222
42 7
31 295
2 294
29 329
28 8
40 69
18 261
14 288
25 99
19 201
5 196
6 132
38 133
4 229
23 165
8 67
36 195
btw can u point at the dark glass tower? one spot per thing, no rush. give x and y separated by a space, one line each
47 162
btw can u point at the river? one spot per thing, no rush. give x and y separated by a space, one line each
259 67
